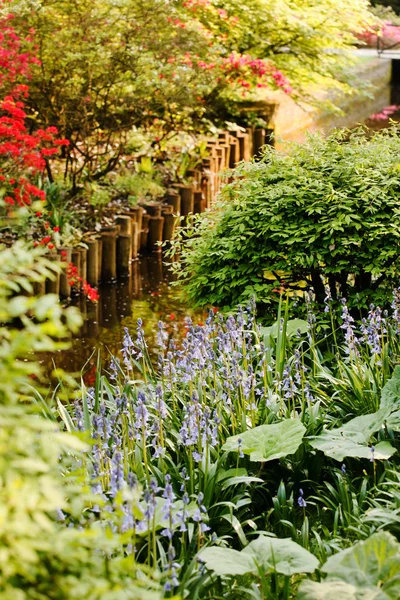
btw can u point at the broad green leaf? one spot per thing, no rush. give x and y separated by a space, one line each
335 590
393 420
281 555
336 445
362 428
292 327
270 554
224 561
370 563
390 398
268 442
353 438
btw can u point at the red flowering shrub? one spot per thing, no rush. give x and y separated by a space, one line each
387 34
23 154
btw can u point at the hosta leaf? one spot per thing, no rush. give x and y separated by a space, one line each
281 555
224 561
374 562
268 442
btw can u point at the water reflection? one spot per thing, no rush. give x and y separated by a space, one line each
147 294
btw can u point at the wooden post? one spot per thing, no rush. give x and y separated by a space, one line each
241 137
153 208
92 275
76 261
174 200
124 249
83 272
144 232
155 233
259 140
234 152
65 288
250 141
99 257
39 288
187 199
198 202
135 241
168 227
125 223
109 256
53 285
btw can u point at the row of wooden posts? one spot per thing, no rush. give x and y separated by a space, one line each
107 255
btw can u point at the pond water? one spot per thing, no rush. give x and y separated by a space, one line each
147 294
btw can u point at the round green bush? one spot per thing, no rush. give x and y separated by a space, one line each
321 214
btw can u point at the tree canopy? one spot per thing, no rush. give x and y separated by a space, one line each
107 66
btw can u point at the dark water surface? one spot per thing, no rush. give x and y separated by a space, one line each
146 294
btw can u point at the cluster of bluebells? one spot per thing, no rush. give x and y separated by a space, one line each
373 329
154 438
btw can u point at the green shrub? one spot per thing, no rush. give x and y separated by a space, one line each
321 213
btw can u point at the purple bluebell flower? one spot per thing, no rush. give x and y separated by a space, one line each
300 501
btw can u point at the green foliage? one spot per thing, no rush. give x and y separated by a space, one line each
265 553
386 9
139 186
323 213
41 559
110 67
232 448
30 324
268 442
370 569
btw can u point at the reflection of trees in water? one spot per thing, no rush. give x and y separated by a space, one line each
147 294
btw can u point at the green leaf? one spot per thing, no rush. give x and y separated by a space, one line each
329 590
371 564
268 553
240 479
292 327
335 445
352 439
268 442
281 555
390 398
224 561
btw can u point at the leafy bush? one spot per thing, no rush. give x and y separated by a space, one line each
323 213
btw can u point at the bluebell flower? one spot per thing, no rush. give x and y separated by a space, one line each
300 501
